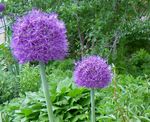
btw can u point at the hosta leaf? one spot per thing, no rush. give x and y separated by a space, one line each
26 111
75 107
75 92
80 117
63 86
62 102
144 118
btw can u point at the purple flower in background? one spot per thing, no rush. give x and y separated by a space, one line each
93 72
39 36
2 7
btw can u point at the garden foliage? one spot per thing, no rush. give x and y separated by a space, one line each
128 100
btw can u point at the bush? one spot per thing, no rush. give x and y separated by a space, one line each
29 79
135 36
139 63
12 85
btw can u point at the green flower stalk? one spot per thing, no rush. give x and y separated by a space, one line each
46 92
92 105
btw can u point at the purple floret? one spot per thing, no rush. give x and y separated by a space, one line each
93 72
2 7
39 36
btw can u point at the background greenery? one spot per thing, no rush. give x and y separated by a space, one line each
118 30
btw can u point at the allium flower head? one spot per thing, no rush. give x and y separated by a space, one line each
2 7
93 72
39 36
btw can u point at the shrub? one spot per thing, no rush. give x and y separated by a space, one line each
139 63
29 79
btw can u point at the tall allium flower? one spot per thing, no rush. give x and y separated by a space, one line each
92 72
2 7
39 36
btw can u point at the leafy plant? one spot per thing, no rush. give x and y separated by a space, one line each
127 100
29 79
8 86
66 106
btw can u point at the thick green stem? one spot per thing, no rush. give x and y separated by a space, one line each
92 106
46 92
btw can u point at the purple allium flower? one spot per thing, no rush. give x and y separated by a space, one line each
2 7
93 72
39 36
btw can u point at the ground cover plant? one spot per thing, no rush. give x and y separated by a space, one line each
115 30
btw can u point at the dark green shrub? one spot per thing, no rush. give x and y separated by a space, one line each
139 63
135 36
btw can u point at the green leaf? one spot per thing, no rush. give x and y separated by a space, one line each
75 92
27 111
64 85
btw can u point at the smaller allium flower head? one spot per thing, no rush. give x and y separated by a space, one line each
39 36
93 72
2 7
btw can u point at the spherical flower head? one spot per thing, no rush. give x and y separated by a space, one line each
2 7
92 72
39 36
